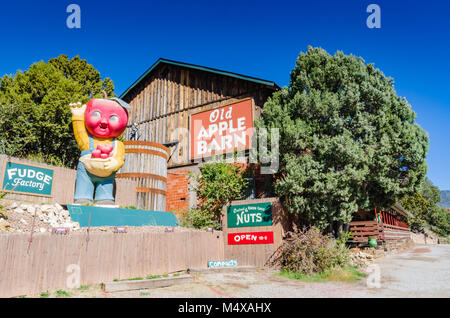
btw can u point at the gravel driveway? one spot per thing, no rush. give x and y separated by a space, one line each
423 271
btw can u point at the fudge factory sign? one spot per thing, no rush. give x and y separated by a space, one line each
27 179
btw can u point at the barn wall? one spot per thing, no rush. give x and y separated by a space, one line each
163 102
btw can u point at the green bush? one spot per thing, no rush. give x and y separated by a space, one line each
3 207
310 252
62 293
218 184
201 219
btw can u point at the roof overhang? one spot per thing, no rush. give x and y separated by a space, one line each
270 84
397 207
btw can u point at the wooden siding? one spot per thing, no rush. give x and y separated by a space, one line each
164 101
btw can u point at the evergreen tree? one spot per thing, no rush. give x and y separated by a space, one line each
424 208
347 141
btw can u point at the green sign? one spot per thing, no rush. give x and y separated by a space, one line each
256 214
27 179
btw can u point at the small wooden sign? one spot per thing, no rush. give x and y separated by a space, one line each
223 264
61 230
120 229
250 238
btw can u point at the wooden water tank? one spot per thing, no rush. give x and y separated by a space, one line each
146 163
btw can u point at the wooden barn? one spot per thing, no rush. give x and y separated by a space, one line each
166 99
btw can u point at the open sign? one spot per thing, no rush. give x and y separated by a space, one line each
250 238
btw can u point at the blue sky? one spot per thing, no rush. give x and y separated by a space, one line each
257 38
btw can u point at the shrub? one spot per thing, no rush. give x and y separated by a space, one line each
218 184
309 252
201 219
2 207
62 293
45 294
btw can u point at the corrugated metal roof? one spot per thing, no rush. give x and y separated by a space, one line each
201 68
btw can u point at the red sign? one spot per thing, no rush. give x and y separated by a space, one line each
221 130
250 238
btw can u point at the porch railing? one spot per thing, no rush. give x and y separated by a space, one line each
361 231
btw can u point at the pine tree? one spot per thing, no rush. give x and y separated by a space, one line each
347 141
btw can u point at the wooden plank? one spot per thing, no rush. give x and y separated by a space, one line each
363 223
146 283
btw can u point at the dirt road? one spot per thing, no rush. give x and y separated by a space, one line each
423 271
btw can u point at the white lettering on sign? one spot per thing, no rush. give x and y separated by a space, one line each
222 130
29 174
245 237
217 264
220 113
249 217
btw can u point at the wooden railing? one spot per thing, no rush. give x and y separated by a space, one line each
393 232
361 231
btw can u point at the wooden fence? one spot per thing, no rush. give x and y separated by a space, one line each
393 232
44 264
361 231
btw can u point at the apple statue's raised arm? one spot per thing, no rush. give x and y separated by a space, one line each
96 126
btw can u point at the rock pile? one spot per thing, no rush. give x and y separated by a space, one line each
360 258
20 218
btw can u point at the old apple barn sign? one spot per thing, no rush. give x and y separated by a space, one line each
222 130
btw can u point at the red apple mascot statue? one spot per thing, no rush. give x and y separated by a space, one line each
96 127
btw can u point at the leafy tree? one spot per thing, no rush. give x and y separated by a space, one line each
429 191
35 120
218 184
439 220
423 206
347 141
419 207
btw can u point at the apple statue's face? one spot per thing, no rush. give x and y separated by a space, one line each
105 118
